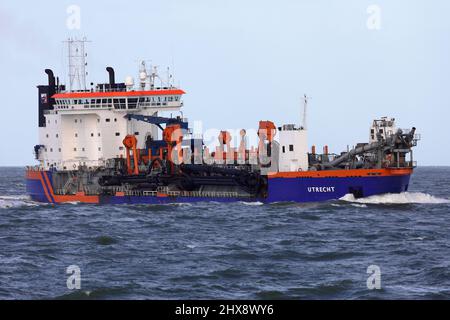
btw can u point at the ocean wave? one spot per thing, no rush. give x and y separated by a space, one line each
74 203
97 293
180 204
425 290
359 205
256 203
397 198
16 201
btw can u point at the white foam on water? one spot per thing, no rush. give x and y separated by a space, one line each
335 205
72 202
180 204
14 197
397 198
256 203
18 201
419 290
359 205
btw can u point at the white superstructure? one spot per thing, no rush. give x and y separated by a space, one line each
293 154
86 127
293 149
382 128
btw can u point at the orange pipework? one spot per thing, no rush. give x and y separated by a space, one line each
267 130
173 134
242 147
225 139
130 142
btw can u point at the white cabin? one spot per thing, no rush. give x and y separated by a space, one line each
293 148
87 128
383 128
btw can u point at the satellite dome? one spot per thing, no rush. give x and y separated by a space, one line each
129 81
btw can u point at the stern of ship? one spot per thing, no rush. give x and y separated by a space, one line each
315 186
38 185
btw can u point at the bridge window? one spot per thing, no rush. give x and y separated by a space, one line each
291 147
108 120
132 103
117 134
119 103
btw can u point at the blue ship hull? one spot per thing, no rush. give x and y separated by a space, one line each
297 187
323 189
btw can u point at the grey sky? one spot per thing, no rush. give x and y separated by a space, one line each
245 61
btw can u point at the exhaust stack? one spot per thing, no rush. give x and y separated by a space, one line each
112 80
51 79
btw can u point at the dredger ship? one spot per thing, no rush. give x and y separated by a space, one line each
113 143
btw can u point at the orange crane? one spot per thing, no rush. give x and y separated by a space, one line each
130 143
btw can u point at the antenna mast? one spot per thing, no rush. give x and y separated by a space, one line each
305 109
77 64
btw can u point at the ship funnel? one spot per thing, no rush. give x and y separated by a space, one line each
112 80
51 78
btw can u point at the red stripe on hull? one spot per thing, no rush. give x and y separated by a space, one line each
84 95
343 173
